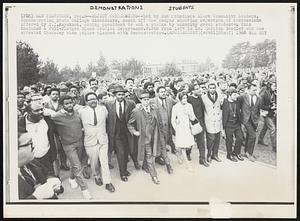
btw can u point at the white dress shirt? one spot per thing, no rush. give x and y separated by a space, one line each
254 99
38 132
118 106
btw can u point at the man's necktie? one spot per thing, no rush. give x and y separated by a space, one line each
95 117
120 111
163 104
252 100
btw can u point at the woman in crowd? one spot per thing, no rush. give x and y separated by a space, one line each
182 115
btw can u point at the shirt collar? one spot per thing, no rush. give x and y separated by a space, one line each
147 109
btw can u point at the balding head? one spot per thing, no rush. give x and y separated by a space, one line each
35 111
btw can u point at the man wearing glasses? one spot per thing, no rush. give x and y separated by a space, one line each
32 181
41 129
93 118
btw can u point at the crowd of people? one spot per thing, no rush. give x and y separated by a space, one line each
80 126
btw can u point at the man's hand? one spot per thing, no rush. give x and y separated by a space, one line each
44 191
136 133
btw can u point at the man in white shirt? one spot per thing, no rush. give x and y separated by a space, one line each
93 118
41 130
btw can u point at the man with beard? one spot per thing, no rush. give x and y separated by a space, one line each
120 139
41 129
93 118
232 125
164 109
149 87
69 129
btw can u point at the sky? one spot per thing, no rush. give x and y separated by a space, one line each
69 51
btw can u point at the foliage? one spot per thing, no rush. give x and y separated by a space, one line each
245 55
129 68
101 68
49 72
28 65
170 70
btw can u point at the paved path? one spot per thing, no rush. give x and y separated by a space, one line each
229 181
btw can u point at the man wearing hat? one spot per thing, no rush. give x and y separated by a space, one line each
63 90
231 117
119 138
143 123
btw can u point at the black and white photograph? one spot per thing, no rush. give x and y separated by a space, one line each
164 110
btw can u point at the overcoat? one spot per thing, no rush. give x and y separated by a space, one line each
137 122
213 113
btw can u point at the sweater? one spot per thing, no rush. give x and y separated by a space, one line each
69 127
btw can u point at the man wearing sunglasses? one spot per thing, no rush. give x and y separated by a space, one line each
32 180
41 129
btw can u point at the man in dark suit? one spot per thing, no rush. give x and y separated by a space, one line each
132 92
250 104
164 108
119 138
232 125
198 106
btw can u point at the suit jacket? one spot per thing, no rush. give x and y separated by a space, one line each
26 183
226 112
50 133
111 122
138 122
94 134
247 111
155 102
134 96
266 102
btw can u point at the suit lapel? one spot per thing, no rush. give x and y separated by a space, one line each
246 99
210 98
113 111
